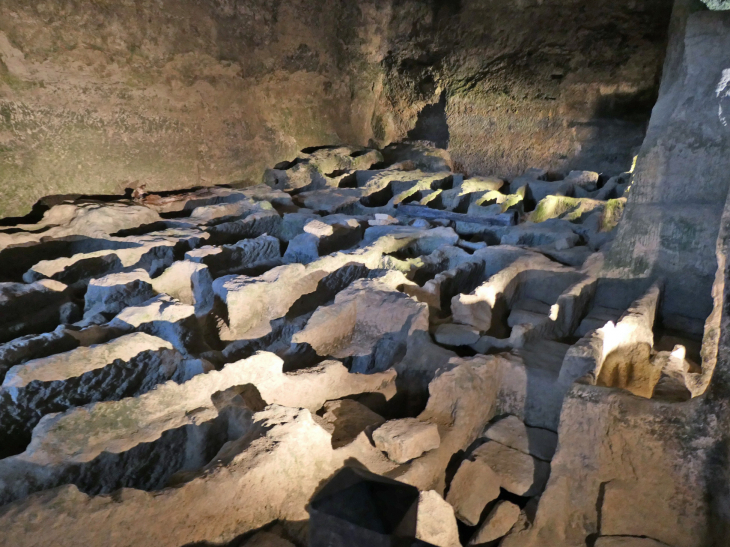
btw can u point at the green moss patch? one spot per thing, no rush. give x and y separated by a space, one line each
612 213
566 208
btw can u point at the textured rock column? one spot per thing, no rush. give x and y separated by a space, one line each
680 184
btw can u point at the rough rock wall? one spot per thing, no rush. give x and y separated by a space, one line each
553 84
674 208
99 96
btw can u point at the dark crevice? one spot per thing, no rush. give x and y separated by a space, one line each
142 230
350 181
379 198
432 124
285 165
313 149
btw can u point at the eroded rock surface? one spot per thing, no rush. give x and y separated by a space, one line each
211 364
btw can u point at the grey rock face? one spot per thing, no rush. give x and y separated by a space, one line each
321 239
114 292
669 156
125 367
30 309
152 252
247 255
255 225
368 324
167 318
189 283
142 441
34 346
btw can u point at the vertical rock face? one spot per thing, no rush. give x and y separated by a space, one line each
680 185
174 95
96 98
509 85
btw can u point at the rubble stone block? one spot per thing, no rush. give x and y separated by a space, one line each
512 432
436 523
472 488
518 473
498 523
406 439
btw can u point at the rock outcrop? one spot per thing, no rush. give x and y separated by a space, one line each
103 99
212 359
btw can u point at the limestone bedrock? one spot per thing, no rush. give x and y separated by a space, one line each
99 97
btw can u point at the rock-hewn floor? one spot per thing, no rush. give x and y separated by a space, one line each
191 367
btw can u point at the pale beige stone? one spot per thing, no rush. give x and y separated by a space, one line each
319 228
498 523
518 473
406 439
512 432
436 522
472 488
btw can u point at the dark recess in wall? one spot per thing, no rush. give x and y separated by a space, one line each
432 125
556 85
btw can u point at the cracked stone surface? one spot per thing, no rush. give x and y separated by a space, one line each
237 347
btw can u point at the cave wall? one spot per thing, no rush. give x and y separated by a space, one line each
561 85
96 96
99 96
673 214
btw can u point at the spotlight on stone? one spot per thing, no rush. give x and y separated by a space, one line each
357 508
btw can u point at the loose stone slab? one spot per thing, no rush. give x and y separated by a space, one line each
512 432
498 523
517 472
451 334
346 419
436 523
406 439
318 228
472 488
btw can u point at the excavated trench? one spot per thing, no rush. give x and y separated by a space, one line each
398 303
536 354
